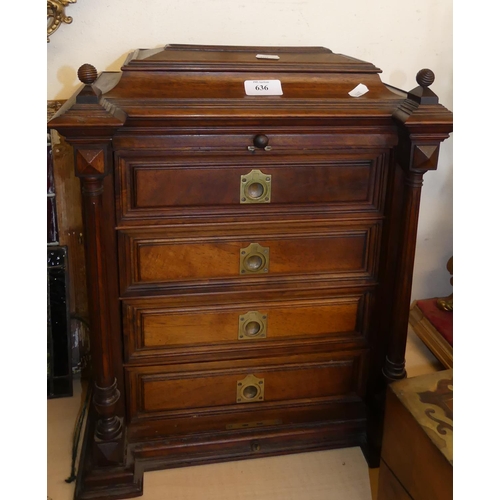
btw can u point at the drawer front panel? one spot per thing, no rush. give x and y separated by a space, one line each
153 261
156 187
236 385
332 140
242 417
151 328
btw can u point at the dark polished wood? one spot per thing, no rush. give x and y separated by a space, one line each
249 259
417 153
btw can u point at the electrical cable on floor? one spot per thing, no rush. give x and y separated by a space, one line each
76 435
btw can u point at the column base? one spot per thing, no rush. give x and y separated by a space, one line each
393 371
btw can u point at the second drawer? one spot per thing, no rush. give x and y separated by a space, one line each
196 257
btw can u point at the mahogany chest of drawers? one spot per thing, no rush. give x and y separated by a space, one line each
249 256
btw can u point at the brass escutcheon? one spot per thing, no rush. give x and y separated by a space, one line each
250 390
252 325
255 187
254 259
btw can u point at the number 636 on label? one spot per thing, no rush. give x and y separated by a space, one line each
263 87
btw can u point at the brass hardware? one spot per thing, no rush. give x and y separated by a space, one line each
446 303
253 148
250 390
254 259
255 446
249 425
56 15
260 141
255 187
252 325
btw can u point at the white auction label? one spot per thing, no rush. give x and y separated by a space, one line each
267 56
263 87
359 90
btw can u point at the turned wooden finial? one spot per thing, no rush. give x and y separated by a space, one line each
423 94
90 94
87 74
425 77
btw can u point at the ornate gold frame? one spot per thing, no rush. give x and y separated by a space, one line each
56 15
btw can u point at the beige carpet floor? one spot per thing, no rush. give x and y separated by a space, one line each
324 475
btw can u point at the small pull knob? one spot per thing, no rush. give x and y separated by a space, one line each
260 141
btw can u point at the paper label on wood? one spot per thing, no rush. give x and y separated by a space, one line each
359 90
267 56
263 87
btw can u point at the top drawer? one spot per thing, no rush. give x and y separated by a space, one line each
160 186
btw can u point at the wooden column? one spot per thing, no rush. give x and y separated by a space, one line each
77 121
91 167
423 125
394 368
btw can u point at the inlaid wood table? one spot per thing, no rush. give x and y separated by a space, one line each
417 447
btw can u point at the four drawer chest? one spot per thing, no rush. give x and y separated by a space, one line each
250 230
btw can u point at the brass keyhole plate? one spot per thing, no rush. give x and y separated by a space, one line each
250 390
255 187
252 325
254 259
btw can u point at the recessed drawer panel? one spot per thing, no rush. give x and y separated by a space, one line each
171 186
257 418
239 386
152 328
157 258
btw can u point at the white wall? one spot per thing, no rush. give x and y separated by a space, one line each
399 36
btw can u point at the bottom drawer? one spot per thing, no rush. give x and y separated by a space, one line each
225 395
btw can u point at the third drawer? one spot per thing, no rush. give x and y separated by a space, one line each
170 329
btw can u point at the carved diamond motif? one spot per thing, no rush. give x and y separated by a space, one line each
90 161
425 157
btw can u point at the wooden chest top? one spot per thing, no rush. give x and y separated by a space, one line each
202 85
